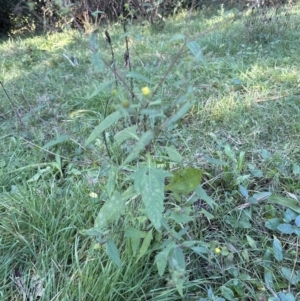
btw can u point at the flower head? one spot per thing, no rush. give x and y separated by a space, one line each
145 91
217 250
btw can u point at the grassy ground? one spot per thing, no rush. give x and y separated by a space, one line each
243 131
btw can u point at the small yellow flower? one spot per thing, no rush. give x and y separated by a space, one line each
145 91
93 195
217 250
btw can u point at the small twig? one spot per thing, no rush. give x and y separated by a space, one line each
70 61
13 105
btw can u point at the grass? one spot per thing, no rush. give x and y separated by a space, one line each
247 101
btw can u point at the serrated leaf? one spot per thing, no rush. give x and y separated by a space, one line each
139 77
243 191
176 116
173 154
185 180
149 182
113 253
56 141
139 146
277 249
106 123
195 49
251 242
110 211
101 87
145 245
134 233
201 193
128 133
286 228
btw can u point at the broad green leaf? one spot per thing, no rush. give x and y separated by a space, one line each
214 161
256 172
227 293
110 211
245 255
290 275
297 221
243 191
173 154
286 228
128 133
177 269
113 253
106 123
195 49
111 181
229 153
178 36
56 141
201 193
94 41
285 202
139 146
180 113
273 223
149 182
210 294
268 278
185 180
289 215
251 242
161 259
180 218
296 169
139 77
135 245
98 62
207 214
134 233
145 245
101 87
289 297
277 249
262 196
267 261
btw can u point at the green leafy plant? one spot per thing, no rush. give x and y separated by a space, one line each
143 168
